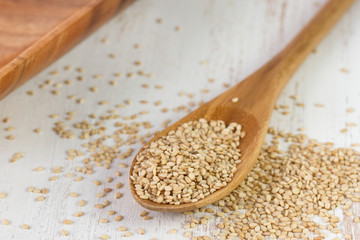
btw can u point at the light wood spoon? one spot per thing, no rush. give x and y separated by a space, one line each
257 95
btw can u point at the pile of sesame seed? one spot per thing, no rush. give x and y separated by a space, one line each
286 190
188 164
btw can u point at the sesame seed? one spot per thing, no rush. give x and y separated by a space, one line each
235 99
103 220
344 70
73 194
37 130
10 137
40 199
5 221
105 237
64 232
172 231
25 226
147 217
78 214
67 221
141 231
82 203
3 195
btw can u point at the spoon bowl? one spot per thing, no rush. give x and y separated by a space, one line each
249 149
251 102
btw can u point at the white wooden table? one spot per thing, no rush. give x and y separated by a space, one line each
223 40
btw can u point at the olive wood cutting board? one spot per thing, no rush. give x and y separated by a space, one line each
34 33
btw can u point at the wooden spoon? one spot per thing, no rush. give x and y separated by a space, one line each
256 96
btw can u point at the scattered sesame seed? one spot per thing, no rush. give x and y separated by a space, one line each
105 237
5 221
37 130
344 70
103 220
235 99
64 232
141 231
67 222
25 226
78 214
40 198
73 194
82 203
105 40
3 195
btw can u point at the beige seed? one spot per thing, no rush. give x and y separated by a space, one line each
5 221
122 229
53 178
350 110
82 203
141 231
40 199
64 232
10 137
111 213
97 182
73 194
103 220
118 218
105 237
235 99
37 130
118 195
144 213
344 70
39 169
3 195
25 226
344 130
78 214
172 231
128 234
78 179
67 221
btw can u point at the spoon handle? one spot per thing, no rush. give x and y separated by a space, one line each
263 87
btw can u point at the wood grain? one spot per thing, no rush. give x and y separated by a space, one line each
257 96
35 33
